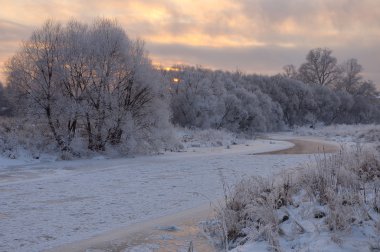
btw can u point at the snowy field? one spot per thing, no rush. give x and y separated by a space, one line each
48 204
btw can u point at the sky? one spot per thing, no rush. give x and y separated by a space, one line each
253 36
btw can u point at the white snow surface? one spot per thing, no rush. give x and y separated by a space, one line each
317 237
47 204
359 133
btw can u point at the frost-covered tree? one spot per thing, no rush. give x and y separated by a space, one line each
251 103
89 81
351 76
34 75
352 81
364 110
320 68
294 97
343 101
290 71
328 105
367 88
214 99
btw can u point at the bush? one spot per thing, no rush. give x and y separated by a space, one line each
19 138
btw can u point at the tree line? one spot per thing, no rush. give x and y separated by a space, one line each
91 83
250 103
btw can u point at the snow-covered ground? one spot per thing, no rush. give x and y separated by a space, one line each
47 204
304 228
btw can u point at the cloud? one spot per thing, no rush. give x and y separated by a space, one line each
12 30
249 59
264 59
252 35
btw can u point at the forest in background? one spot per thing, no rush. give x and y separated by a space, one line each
80 88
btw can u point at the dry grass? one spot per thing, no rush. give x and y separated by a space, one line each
340 190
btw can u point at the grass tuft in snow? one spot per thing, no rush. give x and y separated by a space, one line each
334 199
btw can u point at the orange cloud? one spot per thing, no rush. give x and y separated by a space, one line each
220 24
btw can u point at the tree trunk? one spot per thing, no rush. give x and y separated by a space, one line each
61 144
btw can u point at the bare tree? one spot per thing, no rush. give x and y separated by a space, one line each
367 88
352 80
351 75
5 106
320 68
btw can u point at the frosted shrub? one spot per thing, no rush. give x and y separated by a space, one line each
18 138
251 210
341 210
336 193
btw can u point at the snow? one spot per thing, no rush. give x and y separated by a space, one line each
6 162
362 133
206 138
362 235
47 204
317 237
143 248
